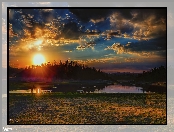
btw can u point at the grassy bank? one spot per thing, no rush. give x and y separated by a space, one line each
59 108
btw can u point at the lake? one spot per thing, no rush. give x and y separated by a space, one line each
121 89
104 89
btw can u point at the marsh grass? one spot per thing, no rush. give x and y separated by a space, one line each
74 108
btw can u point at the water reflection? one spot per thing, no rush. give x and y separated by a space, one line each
122 89
95 89
23 91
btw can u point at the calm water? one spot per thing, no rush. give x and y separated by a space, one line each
105 89
122 89
22 91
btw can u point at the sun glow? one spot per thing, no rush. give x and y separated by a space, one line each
38 59
38 42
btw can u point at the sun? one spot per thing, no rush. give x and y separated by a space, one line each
38 59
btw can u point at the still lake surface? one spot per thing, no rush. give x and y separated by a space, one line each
122 89
106 89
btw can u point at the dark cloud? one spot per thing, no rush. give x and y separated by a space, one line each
145 23
102 25
34 26
47 15
160 43
114 33
143 14
126 13
147 46
142 48
99 16
126 28
70 30
86 14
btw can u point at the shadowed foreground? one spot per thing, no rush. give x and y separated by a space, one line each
59 108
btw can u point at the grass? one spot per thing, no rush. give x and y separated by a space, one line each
74 108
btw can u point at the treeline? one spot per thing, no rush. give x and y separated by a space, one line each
123 76
153 75
66 70
13 71
74 70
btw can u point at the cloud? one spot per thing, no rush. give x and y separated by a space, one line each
113 63
118 22
140 24
132 60
67 51
97 20
47 10
143 14
80 47
11 32
86 15
117 47
70 30
85 42
44 29
141 49
84 47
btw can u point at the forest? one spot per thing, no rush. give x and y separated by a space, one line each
66 70
76 71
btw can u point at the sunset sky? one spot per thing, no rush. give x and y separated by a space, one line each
112 39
